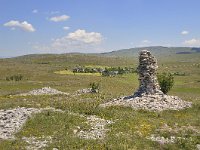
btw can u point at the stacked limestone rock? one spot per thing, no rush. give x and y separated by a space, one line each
147 75
149 96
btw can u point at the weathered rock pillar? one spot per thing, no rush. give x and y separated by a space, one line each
149 96
148 83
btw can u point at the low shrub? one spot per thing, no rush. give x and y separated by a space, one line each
166 82
18 77
94 87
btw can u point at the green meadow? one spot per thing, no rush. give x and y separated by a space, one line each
130 127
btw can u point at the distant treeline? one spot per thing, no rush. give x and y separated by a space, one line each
107 71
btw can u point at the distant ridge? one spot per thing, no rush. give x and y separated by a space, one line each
131 52
156 50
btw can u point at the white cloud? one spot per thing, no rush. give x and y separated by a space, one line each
192 42
59 18
66 28
35 11
85 37
146 42
23 25
77 41
185 32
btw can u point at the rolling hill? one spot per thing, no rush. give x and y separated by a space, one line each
162 53
156 50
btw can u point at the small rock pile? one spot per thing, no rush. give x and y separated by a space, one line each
98 128
151 103
149 96
35 143
12 120
162 140
44 91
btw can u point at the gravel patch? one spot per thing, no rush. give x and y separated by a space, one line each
161 139
98 128
82 91
44 91
12 120
36 143
151 103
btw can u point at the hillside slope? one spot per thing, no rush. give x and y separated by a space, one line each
156 50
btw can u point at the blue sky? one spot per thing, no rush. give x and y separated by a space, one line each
61 26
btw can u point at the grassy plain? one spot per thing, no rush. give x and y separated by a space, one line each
130 127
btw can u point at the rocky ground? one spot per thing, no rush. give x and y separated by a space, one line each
82 91
35 143
44 91
51 91
173 130
98 128
12 120
151 102
161 139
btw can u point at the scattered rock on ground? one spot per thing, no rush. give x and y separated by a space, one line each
83 91
44 91
36 143
182 130
161 139
12 120
98 128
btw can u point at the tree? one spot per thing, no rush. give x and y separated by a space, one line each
166 82
94 87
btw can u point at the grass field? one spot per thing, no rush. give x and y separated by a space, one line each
130 127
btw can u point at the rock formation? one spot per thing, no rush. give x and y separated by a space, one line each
147 75
149 96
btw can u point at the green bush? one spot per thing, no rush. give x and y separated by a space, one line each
94 87
166 82
14 78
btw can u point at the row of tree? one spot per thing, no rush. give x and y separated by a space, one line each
107 71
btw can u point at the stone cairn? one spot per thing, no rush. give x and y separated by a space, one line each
149 96
147 75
